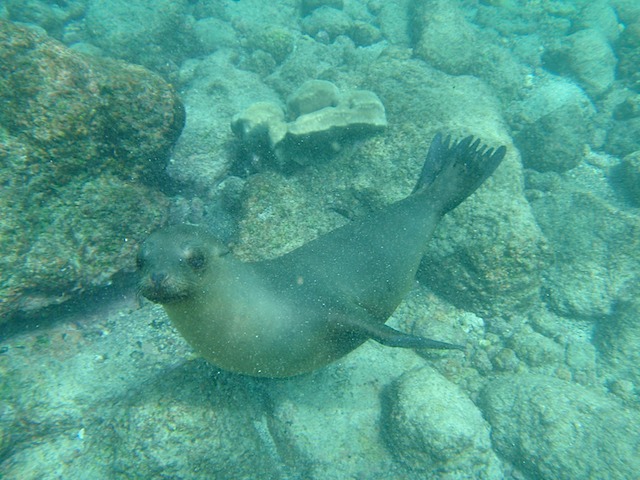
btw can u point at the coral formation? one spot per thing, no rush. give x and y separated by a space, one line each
322 117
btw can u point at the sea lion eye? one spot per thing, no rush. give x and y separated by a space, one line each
195 259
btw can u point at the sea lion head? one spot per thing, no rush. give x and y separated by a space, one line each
173 261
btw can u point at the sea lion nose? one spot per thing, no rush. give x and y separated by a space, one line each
157 278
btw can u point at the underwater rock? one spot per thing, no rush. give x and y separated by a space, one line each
623 135
364 34
52 17
438 22
213 33
214 90
153 33
490 264
597 238
447 40
554 123
627 10
277 42
326 23
629 177
313 59
393 19
628 51
350 401
599 15
587 56
280 213
536 350
193 420
310 5
82 133
435 429
618 343
551 428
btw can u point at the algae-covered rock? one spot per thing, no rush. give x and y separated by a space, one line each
326 23
628 51
278 42
213 33
550 428
435 429
623 134
600 240
350 401
310 5
629 177
488 255
188 421
600 15
81 141
588 57
447 39
53 17
618 340
554 123
623 138
153 33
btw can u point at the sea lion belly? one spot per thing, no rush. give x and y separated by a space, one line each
253 330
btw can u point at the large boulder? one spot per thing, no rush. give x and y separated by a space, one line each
446 39
81 142
597 238
153 33
555 429
553 124
435 429
587 56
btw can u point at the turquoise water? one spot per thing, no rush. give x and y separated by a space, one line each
119 117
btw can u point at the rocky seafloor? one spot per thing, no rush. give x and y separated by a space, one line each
538 273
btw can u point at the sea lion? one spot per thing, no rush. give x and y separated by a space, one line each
309 307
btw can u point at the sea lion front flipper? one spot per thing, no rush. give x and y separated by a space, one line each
391 337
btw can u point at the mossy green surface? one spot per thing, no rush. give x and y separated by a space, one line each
277 41
81 140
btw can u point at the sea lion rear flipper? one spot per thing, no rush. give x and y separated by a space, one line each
454 170
391 337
